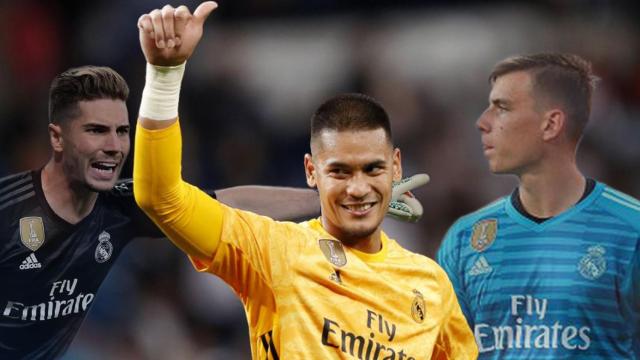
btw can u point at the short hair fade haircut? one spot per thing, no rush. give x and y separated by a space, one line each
350 112
564 78
83 83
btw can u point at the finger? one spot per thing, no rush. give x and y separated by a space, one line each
413 203
408 184
167 22
203 11
144 24
399 211
181 15
158 29
406 208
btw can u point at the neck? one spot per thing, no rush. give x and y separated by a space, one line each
550 191
69 201
370 244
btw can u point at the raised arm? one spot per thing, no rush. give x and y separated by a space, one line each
190 218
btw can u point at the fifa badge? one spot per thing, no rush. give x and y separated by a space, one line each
593 264
104 248
32 232
333 251
483 234
418 307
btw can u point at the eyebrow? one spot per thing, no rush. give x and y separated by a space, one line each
499 101
99 125
342 165
94 125
379 163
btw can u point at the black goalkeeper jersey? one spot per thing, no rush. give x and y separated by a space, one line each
50 270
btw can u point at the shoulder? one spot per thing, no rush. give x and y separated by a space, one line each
120 198
418 260
121 193
490 211
619 206
313 226
123 188
15 188
16 180
262 225
427 267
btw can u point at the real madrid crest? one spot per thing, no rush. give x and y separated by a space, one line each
32 232
417 307
333 251
593 264
104 248
483 234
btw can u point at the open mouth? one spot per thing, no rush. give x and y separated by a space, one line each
105 167
359 209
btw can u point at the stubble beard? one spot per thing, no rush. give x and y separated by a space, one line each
351 237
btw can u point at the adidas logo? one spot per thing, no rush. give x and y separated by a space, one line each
480 267
30 263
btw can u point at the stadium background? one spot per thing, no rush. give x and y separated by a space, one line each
250 89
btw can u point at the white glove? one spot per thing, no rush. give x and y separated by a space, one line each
404 206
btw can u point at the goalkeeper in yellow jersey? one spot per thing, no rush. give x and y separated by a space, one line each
331 288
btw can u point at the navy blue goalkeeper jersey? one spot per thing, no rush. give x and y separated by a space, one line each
50 270
564 288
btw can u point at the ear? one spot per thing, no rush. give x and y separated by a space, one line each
554 124
55 137
397 165
310 171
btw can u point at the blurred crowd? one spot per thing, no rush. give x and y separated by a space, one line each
249 91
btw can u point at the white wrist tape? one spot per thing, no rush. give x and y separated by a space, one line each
161 92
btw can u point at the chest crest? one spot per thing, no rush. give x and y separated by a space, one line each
592 265
418 309
32 232
484 234
104 249
333 251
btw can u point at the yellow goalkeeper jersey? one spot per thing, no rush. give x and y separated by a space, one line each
306 295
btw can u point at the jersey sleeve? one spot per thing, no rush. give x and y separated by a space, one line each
243 248
455 340
448 257
186 214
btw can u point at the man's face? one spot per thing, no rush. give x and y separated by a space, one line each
94 145
511 126
353 171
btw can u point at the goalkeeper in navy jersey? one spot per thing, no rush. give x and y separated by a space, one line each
63 226
553 270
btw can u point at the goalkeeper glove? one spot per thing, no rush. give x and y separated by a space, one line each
404 206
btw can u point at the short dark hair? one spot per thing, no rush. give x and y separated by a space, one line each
565 78
83 83
350 112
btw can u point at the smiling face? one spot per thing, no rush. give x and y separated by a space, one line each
353 171
512 126
93 146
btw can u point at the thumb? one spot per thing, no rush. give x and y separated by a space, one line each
203 11
408 184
